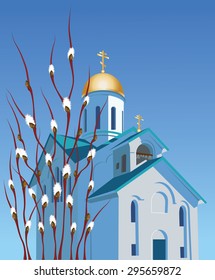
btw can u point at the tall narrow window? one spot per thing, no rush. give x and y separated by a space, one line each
134 220
181 217
133 212
113 118
98 117
123 165
85 120
183 224
44 189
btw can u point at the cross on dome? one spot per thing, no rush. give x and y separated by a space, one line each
103 55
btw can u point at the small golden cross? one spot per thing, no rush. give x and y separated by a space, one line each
103 56
139 118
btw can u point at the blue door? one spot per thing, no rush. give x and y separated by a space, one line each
159 249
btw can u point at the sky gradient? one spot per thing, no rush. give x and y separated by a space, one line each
163 53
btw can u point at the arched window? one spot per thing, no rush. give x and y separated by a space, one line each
133 211
143 153
159 203
113 118
98 117
134 219
181 216
183 223
85 120
123 165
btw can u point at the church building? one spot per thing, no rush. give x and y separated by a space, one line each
152 211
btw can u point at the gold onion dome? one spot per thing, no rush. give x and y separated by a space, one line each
103 81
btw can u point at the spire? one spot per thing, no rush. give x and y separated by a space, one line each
103 55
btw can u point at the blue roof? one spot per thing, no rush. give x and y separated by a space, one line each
83 146
119 182
138 134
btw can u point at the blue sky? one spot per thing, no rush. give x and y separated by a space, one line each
161 51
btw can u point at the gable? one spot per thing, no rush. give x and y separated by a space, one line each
147 134
165 169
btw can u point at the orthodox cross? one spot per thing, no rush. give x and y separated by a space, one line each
139 118
103 56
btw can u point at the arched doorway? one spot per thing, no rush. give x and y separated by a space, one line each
159 245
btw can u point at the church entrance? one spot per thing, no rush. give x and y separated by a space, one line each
159 249
159 245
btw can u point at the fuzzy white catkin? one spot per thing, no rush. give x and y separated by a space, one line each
71 52
66 170
29 119
51 68
91 225
66 103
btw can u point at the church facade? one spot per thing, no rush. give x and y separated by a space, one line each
152 211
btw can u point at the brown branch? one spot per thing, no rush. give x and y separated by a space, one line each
15 218
19 136
71 60
27 83
52 73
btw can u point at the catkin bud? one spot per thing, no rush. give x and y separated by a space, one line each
90 226
87 217
51 70
11 184
52 221
30 121
71 53
32 193
66 171
91 154
41 227
91 185
48 159
28 226
57 190
69 201
67 104
86 101
45 201
73 228
13 213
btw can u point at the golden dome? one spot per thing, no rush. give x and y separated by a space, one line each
103 81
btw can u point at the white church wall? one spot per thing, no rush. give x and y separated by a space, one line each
105 132
142 190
